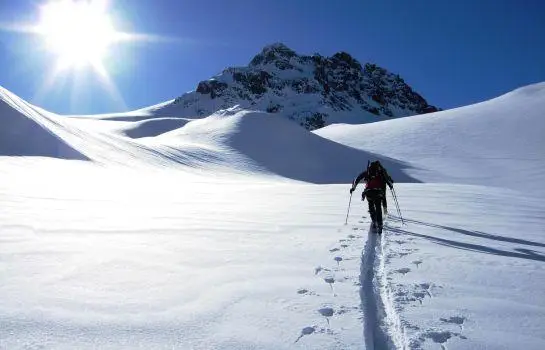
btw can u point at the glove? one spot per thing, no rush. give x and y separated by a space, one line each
391 185
351 190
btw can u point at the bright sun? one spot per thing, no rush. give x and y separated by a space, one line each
79 32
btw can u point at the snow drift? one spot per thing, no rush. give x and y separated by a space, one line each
26 132
499 142
224 142
155 243
265 143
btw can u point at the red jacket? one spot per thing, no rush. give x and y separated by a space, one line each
377 182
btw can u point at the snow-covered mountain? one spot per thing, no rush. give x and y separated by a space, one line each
312 90
164 231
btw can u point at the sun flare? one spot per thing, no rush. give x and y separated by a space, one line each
79 32
82 35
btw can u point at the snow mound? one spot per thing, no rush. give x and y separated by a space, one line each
233 141
153 127
267 143
26 132
499 142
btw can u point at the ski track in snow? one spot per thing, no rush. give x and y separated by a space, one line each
381 300
396 297
382 326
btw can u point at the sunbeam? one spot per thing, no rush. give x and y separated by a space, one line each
81 34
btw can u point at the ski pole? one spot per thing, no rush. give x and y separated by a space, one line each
398 208
397 205
348 211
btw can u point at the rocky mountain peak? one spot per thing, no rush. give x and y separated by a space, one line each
273 53
312 90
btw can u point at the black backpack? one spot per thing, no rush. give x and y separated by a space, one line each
375 169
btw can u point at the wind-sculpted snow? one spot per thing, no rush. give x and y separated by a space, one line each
232 141
277 146
26 132
153 127
190 236
499 142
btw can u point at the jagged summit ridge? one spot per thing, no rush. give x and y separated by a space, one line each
312 90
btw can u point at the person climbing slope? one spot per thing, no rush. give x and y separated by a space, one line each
376 179
387 181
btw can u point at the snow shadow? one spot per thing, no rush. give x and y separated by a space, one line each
24 132
520 253
154 127
477 233
282 147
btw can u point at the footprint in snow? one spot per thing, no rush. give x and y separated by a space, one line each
459 320
440 337
330 281
344 309
425 285
306 331
403 271
319 269
327 312
420 296
303 291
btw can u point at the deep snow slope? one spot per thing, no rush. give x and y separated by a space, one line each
107 258
500 142
233 141
25 132
272 145
466 270
184 233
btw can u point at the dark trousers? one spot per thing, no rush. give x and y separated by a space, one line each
374 199
384 203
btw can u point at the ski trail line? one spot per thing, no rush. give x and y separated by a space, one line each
382 327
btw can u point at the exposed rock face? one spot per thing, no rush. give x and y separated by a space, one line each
311 90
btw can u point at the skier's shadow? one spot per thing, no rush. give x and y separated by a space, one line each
522 253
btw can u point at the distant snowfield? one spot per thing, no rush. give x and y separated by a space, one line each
499 143
228 232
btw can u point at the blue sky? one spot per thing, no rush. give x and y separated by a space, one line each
454 53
